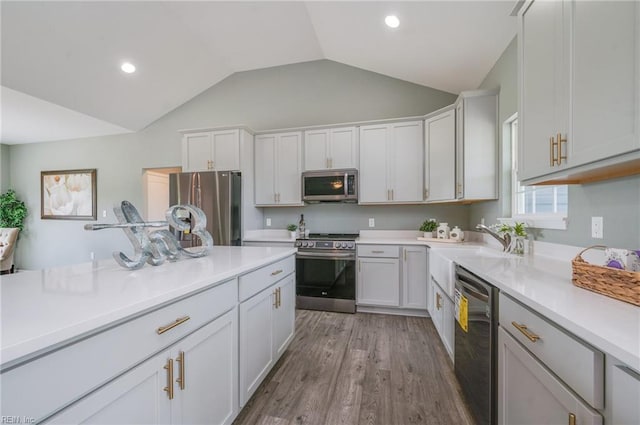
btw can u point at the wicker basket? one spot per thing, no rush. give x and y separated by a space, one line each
622 285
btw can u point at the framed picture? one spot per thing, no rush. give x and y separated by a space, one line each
68 195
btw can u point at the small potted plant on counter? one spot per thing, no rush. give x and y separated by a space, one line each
292 228
518 234
429 227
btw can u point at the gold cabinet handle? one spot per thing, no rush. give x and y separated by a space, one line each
279 297
526 332
572 419
169 388
559 142
552 157
180 379
179 321
275 298
438 303
277 272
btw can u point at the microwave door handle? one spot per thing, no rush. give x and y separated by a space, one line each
346 180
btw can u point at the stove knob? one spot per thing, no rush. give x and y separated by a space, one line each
311 244
305 244
339 245
298 243
351 244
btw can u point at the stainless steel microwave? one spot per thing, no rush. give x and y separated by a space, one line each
330 186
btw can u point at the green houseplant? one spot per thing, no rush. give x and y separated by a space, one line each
12 210
428 227
292 228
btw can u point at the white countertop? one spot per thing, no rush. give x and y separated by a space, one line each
268 235
544 284
42 309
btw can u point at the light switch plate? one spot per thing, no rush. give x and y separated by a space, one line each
597 227
268 222
372 222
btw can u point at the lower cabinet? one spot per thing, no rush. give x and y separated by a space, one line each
192 382
624 395
528 393
392 276
266 329
442 310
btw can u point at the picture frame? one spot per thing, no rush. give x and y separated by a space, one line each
68 195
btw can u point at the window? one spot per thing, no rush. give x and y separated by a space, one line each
539 206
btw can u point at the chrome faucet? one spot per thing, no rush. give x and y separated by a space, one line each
505 240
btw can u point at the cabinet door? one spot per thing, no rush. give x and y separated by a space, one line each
316 149
265 169
207 393
414 277
137 397
256 341
196 152
529 394
460 149
440 157
605 80
226 150
284 315
373 164
289 169
406 162
625 393
378 281
544 82
448 325
437 307
343 149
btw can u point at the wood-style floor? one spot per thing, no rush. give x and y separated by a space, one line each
359 369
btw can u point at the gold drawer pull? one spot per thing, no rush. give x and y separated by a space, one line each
526 332
169 388
552 156
572 419
180 379
559 142
179 321
277 272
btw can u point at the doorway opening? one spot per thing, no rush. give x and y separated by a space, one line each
155 191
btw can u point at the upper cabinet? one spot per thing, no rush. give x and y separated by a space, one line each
391 163
330 148
477 145
278 165
579 90
211 150
440 156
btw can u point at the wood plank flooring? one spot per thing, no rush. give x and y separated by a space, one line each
375 369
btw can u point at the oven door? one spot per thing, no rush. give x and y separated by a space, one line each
326 275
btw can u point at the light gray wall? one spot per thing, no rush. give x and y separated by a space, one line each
4 168
319 92
353 218
617 201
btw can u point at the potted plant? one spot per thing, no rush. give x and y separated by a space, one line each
429 227
518 233
292 228
12 210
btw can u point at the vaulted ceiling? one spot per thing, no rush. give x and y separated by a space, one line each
61 60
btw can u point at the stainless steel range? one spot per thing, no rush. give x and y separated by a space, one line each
326 272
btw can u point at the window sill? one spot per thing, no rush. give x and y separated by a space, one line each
538 221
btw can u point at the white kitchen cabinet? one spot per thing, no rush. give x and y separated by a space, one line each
266 329
278 166
211 150
391 163
476 162
579 115
529 394
331 148
378 281
625 394
194 381
441 310
414 277
440 156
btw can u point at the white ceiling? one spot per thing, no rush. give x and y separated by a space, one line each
69 53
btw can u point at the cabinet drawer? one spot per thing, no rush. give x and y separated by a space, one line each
60 377
257 280
579 365
385 251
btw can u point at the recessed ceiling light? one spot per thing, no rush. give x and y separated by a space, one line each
392 21
127 67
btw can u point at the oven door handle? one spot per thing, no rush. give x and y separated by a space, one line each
331 256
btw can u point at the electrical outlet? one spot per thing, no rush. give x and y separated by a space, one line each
597 225
104 213
268 222
372 222
92 256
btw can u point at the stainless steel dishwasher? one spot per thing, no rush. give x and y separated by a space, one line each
475 348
